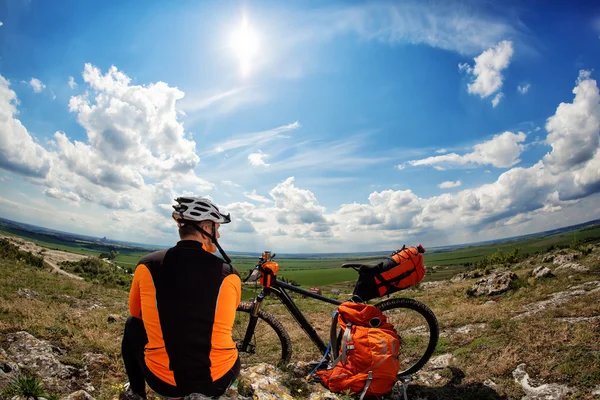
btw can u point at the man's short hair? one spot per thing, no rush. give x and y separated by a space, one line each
188 229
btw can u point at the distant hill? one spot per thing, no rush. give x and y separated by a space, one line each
22 229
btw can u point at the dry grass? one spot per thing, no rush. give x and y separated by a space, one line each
66 314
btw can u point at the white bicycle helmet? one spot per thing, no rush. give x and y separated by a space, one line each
198 209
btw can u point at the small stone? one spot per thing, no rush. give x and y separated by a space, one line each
78 395
27 293
546 391
114 318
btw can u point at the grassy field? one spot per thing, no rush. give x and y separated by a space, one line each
327 272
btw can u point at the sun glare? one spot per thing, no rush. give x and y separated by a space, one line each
245 44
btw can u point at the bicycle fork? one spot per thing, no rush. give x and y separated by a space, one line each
252 322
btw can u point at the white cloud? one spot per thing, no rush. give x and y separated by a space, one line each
497 99
256 197
487 73
37 85
502 151
131 128
18 151
230 183
441 151
573 131
72 83
449 184
437 24
523 89
253 138
258 159
62 195
190 105
1 23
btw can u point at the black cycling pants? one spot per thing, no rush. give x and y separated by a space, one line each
132 349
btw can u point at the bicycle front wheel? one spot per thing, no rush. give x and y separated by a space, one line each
270 342
418 329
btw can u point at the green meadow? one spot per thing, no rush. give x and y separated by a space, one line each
326 271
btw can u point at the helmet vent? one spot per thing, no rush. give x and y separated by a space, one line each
202 209
195 214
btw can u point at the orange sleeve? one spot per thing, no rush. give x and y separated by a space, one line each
223 352
135 302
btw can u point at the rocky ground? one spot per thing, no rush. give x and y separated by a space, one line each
528 332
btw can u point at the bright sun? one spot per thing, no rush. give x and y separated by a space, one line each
244 43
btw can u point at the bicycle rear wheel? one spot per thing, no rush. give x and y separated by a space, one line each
270 342
418 330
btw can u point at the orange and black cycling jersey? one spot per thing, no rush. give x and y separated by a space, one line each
187 299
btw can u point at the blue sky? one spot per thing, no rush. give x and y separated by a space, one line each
320 127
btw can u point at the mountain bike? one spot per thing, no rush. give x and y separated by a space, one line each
261 338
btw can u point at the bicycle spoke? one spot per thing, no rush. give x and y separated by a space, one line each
418 336
265 346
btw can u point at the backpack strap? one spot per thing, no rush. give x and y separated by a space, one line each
345 346
367 384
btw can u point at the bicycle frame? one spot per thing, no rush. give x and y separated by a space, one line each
278 288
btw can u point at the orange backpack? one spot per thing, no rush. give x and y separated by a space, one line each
368 360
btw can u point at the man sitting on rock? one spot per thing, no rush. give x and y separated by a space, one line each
183 302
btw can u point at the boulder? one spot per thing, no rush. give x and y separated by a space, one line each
542 272
561 259
549 258
494 284
40 357
439 371
9 371
573 267
545 391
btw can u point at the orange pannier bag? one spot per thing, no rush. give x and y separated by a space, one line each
368 357
403 269
268 273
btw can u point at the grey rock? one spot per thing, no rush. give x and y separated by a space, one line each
113 318
439 371
335 291
28 293
561 259
559 298
542 272
463 330
545 391
548 258
78 395
40 357
494 284
9 371
572 266
433 285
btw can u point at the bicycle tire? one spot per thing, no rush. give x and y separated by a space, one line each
270 353
432 325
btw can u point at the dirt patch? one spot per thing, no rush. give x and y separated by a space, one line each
51 257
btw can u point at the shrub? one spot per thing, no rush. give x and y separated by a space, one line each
98 271
10 251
